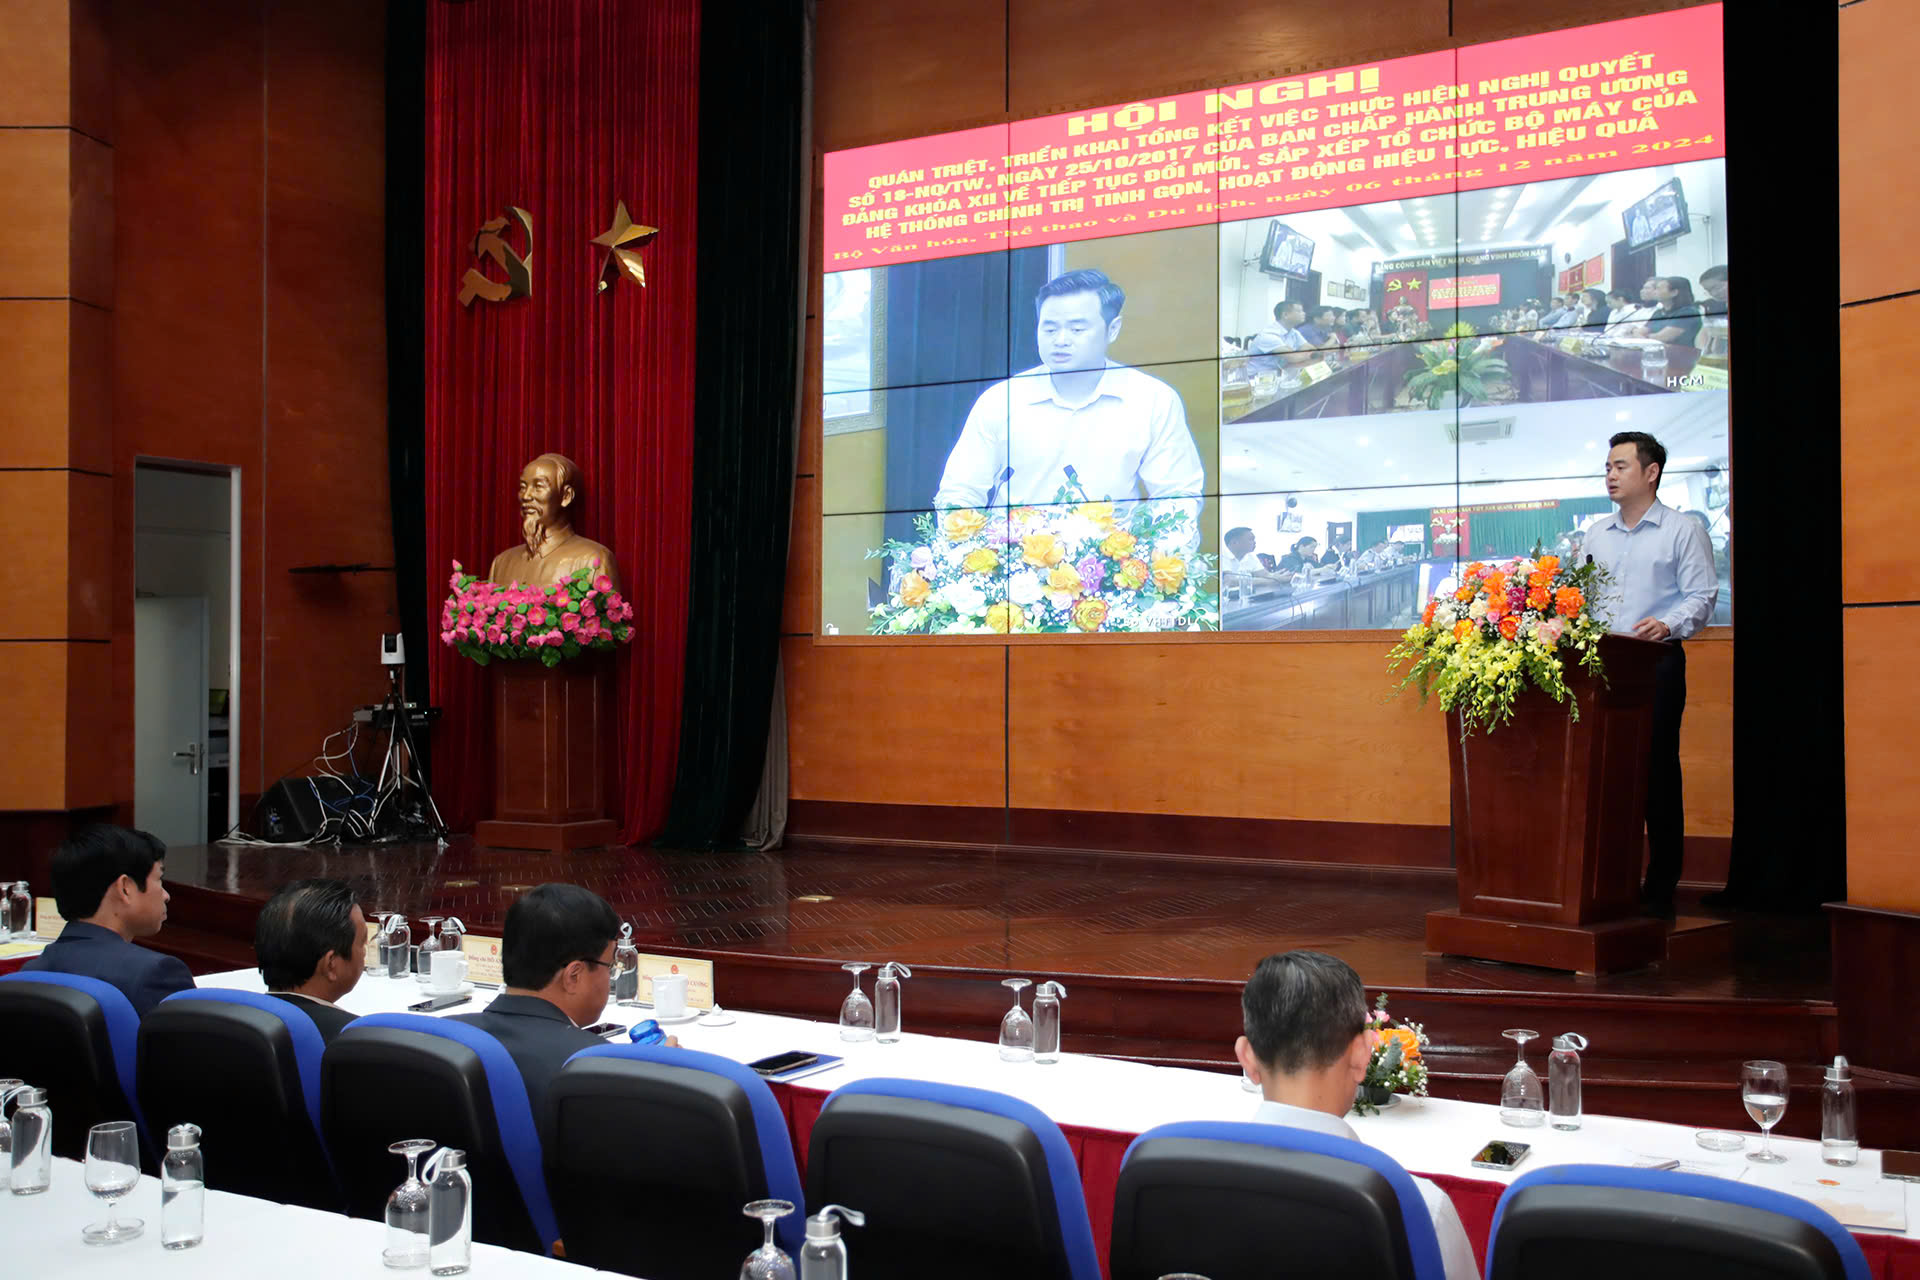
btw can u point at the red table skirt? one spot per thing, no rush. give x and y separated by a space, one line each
12 964
1100 1151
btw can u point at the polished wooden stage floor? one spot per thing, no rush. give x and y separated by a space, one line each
1153 951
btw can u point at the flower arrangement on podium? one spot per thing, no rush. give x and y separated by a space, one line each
1397 1065
486 621
1075 567
1501 630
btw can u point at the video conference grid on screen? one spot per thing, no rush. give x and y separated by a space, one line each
1278 356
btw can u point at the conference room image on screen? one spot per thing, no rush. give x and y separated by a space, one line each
1274 356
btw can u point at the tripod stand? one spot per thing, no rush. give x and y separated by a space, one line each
400 771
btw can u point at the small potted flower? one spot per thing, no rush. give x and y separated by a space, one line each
1397 1065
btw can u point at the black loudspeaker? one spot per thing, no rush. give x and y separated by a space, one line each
293 809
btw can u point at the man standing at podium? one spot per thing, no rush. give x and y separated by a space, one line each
1663 589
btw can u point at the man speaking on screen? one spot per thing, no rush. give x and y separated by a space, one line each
1078 422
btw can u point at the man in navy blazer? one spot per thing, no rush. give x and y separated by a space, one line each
555 952
311 940
107 883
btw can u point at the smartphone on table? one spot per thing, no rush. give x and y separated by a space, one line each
1500 1154
433 1004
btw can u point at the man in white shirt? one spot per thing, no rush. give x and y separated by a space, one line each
1663 588
1307 1044
1243 571
1122 432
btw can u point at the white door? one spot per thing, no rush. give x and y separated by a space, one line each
170 718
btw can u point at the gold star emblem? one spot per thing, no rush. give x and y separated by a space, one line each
624 231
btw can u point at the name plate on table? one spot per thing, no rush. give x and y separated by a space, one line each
47 921
699 975
483 959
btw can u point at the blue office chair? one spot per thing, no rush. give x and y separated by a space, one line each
391 1076
955 1183
1228 1199
77 1038
691 1136
1584 1221
245 1068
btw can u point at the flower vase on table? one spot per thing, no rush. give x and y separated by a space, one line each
1397 1064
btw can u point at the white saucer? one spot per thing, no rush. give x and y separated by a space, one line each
683 1019
716 1018
464 989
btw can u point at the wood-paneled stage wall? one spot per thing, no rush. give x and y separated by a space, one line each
1267 747
192 272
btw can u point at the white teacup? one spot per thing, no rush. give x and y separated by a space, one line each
670 995
449 970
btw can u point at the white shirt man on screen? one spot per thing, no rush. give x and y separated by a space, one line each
1307 1044
1123 432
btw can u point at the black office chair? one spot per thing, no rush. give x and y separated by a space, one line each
393 1076
691 1137
1586 1221
245 1068
76 1038
1233 1200
955 1183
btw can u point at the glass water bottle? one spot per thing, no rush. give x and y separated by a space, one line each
399 938
22 910
1563 1081
449 1213
886 1002
1046 1021
1839 1132
183 1189
626 969
32 1142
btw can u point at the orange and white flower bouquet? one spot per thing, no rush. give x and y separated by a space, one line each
1397 1065
1501 630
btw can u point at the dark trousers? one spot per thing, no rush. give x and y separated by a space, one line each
1665 822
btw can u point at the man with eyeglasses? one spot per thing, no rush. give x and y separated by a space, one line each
555 954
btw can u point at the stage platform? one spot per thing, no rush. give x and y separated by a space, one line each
1152 950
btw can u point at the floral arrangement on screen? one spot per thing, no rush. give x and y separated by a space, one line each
1397 1065
1075 567
1461 364
1504 629
485 621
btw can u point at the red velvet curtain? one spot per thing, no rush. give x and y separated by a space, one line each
563 107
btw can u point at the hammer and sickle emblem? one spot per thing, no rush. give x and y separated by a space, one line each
490 243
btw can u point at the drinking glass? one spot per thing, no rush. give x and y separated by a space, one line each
423 959
113 1169
1016 1029
407 1224
768 1262
7 1086
1763 1088
1523 1103
856 1011
377 949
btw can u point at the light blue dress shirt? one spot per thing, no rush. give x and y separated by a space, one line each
1661 567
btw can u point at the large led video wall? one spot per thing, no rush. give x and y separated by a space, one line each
1279 355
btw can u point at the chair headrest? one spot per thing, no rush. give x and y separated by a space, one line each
123 1028
308 1043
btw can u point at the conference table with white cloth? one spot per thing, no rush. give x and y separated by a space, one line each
245 1237
1103 1103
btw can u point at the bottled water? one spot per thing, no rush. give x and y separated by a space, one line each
183 1208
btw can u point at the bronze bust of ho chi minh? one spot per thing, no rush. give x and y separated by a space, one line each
550 550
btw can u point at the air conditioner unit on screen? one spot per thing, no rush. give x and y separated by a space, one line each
1479 430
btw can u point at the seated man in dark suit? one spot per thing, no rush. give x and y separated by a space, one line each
106 882
555 954
311 941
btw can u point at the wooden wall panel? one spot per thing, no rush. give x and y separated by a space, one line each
800 614
90 243
1706 735
1879 184
1879 451
906 67
33 513
1236 730
33 253
1478 20
896 725
33 395
325 434
91 779
1068 53
1883 807
33 765
34 78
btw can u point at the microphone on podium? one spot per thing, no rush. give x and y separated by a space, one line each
999 480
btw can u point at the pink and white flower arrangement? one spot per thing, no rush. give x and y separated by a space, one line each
485 621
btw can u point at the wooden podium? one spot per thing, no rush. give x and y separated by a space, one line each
1549 816
550 767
